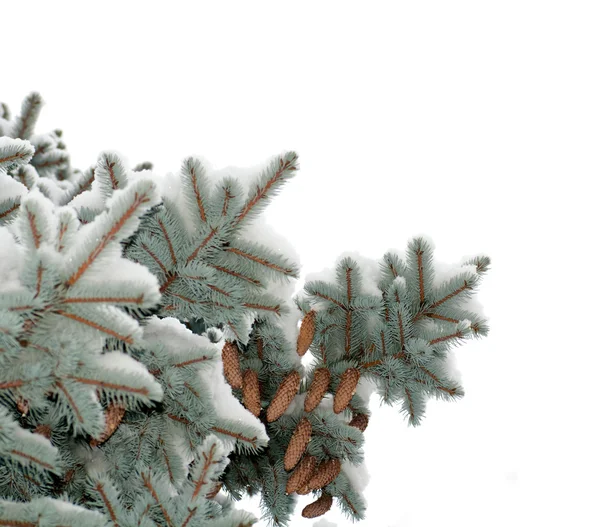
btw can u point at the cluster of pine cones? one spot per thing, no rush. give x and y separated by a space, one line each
307 475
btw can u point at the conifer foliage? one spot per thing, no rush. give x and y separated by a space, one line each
150 376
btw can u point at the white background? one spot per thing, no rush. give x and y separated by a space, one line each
474 123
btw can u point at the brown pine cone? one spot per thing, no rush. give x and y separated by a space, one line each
297 445
317 389
303 490
251 391
325 473
231 364
215 490
112 416
319 507
302 473
346 389
360 421
307 333
285 394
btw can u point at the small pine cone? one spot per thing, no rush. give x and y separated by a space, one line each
301 475
317 389
285 394
251 391
307 333
319 507
346 389
325 473
215 490
297 445
231 364
112 416
360 421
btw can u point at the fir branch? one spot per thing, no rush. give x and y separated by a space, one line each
35 233
275 309
139 199
208 461
128 339
109 385
231 272
462 288
9 211
458 334
153 493
99 488
262 192
241 437
104 300
29 457
168 240
203 243
69 397
155 258
259 260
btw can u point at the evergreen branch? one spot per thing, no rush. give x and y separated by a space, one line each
182 420
107 504
439 385
421 282
275 309
182 297
349 284
259 260
410 404
228 196
112 300
109 385
441 317
457 334
139 199
195 186
53 159
208 461
152 490
10 211
69 397
167 462
31 458
38 283
171 277
251 440
125 338
203 243
188 518
8 385
349 503
326 297
25 121
171 251
35 233
348 331
462 288
262 192
235 273
401 329
155 258
218 289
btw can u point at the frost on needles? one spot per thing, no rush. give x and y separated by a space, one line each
150 375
